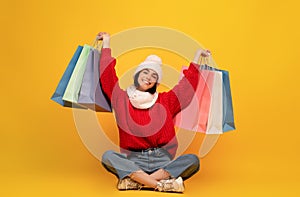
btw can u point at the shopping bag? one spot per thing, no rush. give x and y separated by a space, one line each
214 123
72 91
91 94
228 118
205 100
195 116
62 85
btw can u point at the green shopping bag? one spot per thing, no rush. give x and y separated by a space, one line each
72 91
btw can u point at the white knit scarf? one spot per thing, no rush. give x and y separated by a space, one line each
140 99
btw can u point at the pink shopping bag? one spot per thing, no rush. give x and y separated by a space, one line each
195 116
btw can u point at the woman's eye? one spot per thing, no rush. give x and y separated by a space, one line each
154 77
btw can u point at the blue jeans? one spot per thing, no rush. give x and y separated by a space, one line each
150 161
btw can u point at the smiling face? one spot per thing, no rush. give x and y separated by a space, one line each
147 78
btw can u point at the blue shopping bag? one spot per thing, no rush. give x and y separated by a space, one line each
62 85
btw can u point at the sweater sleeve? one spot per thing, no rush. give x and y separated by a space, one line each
108 77
181 94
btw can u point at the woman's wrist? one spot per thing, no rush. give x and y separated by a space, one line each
106 44
197 56
106 41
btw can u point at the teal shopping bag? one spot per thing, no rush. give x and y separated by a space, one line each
228 119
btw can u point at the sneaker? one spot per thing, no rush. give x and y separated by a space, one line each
128 184
171 185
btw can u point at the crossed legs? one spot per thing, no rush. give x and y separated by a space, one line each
121 166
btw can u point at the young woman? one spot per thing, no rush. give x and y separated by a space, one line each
147 136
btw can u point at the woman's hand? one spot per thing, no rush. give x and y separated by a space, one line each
201 53
105 37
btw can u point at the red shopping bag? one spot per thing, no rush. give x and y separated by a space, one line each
204 99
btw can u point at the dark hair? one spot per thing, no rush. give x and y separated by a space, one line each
136 83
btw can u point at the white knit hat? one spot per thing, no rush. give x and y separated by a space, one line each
151 62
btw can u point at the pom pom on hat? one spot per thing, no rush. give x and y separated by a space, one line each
151 62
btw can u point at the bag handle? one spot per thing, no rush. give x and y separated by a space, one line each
206 63
97 44
205 60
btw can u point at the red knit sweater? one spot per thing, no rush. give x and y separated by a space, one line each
147 128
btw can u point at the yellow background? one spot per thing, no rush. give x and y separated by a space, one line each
257 41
